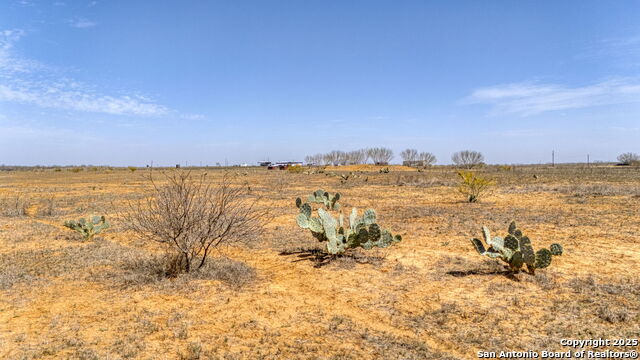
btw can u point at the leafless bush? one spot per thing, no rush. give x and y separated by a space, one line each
16 206
337 157
317 159
628 158
357 157
409 155
467 158
427 158
380 155
192 216
48 208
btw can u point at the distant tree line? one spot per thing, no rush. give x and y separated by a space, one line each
467 159
382 155
378 155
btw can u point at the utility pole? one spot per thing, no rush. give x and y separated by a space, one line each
553 158
587 160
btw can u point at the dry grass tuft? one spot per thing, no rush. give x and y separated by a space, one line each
138 269
234 273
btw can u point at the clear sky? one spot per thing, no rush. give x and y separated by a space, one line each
127 82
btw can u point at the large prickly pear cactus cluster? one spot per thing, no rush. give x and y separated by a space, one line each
322 197
515 249
362 231
88 228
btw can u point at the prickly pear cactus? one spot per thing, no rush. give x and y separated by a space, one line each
322 197
543 258
362 231
556 249
89 227
515 249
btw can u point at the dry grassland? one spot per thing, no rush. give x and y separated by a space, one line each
429 297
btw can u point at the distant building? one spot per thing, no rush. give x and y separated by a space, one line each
283 165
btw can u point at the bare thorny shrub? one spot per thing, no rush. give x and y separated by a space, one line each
16 206
192 216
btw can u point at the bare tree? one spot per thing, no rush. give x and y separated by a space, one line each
192 216
327 159
628 158
380 155
332 158
317 159
341 158
309 159
357 157
427 158
409 155
467 158
337 157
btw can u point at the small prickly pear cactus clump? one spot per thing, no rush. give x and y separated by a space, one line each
515 249
362 231
322 197
88 228
556 249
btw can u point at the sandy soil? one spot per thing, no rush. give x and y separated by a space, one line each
430 296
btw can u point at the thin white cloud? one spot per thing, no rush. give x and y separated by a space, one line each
193 116
8 37
623 52
625 129
62 96
11 63
520 133
82 23
25 81
534 98
621 47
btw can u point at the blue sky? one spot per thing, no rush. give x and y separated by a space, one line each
130 82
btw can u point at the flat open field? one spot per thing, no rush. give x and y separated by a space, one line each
429 297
